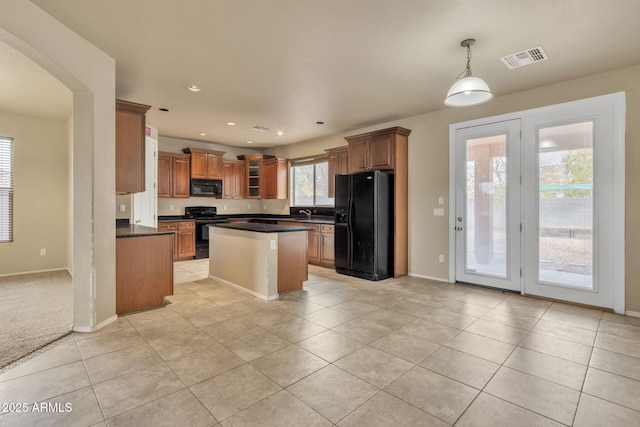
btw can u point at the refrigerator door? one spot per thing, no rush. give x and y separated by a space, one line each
362 222
342 229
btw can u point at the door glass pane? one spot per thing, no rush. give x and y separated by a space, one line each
565 174
486 211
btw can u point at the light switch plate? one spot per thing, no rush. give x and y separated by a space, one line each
438 212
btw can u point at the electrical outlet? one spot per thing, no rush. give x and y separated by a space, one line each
441 200
441 258
43 252
170 207
224 207
123 208
248 207
273 244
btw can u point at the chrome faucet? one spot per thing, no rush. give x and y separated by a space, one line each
307 212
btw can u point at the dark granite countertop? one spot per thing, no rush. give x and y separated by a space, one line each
314 220
138 231
319 219
262 228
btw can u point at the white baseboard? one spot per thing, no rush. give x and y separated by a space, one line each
422 276
632 313
89 329
245 290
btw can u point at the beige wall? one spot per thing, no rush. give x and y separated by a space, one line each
429 168
41 194
90 75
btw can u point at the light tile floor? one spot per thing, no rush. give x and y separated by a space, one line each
343 351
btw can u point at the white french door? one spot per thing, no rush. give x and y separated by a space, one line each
543 214
487 214
572 222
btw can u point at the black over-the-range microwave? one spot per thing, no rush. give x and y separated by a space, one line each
206 187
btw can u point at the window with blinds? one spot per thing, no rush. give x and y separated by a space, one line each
6 189
310 182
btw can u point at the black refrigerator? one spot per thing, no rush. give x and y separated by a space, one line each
364 225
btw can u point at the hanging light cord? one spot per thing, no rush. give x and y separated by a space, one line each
467 71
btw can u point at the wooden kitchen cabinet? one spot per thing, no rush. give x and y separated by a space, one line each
376 150
266 176
315 241
144 272
321 242
233 178
173 175
327 245
184 238
338 165
388 149
253 175
275 179
205 164
130 146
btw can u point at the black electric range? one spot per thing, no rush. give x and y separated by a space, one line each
203 216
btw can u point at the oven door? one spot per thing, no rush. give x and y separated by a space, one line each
202 237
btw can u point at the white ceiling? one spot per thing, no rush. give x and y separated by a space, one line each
286 64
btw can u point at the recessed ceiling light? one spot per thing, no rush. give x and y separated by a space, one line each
163 109
280 133
194 88
249 142
202 134
231 123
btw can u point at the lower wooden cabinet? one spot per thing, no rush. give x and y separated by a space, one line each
327 245
184 239
315 242
321 242
144 272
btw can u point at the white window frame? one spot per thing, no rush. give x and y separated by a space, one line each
313 160
6 190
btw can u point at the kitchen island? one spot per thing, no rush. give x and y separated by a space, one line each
262 260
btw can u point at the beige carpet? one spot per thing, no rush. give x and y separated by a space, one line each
35 310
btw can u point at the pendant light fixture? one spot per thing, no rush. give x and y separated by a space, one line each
468 90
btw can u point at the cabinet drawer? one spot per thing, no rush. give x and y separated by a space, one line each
316 227
328 228
167 226
187 225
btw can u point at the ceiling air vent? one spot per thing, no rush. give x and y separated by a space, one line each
257 128
526 57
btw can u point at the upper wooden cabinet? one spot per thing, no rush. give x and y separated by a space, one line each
266 176
233 178
130 152
173 175
376 150
275 178
338 165
205 164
